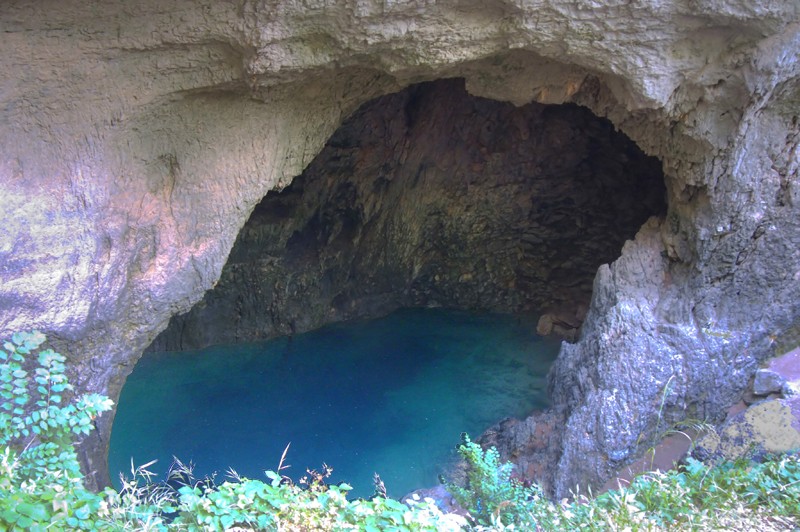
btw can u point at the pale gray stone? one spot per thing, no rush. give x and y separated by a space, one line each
767 381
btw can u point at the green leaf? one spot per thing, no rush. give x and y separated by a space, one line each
34 339
9 516
37 512
83 512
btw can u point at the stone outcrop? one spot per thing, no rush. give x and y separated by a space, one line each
769 427
767 421
138 137
432 197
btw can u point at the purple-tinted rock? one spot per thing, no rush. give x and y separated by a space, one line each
767 381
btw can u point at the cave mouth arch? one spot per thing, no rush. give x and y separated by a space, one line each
432 197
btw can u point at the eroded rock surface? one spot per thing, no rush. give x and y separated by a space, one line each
432 197
769 424
137 138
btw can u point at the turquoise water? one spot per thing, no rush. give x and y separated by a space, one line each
390 395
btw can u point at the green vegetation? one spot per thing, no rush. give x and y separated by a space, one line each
740 495
41 486
491 494
40 479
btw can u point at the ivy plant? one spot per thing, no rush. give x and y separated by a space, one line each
40 479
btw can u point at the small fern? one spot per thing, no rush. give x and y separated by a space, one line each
491 494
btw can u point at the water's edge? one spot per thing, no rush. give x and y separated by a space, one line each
389 395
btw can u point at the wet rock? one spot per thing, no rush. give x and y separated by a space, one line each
533 444
545 325
749 396
563 326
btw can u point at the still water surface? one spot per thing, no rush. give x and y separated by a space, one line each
390 395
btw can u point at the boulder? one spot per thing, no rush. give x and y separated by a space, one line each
767 381
771 426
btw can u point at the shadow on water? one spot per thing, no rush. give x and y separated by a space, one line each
390 395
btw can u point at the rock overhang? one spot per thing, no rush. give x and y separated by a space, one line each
433 197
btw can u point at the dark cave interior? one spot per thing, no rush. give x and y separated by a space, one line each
432 197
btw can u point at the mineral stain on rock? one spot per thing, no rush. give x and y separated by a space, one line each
770 424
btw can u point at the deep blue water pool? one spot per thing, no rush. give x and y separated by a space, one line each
390 395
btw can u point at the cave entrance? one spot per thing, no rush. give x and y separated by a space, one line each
434 197
431 197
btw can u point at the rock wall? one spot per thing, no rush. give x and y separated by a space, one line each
432 197
137 137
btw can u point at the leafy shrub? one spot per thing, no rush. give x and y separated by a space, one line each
491 494
698 492
282 506
40 479
742 495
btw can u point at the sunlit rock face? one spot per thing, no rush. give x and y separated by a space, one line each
137 138
433 197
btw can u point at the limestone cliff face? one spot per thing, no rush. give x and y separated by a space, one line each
432 197
137 138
